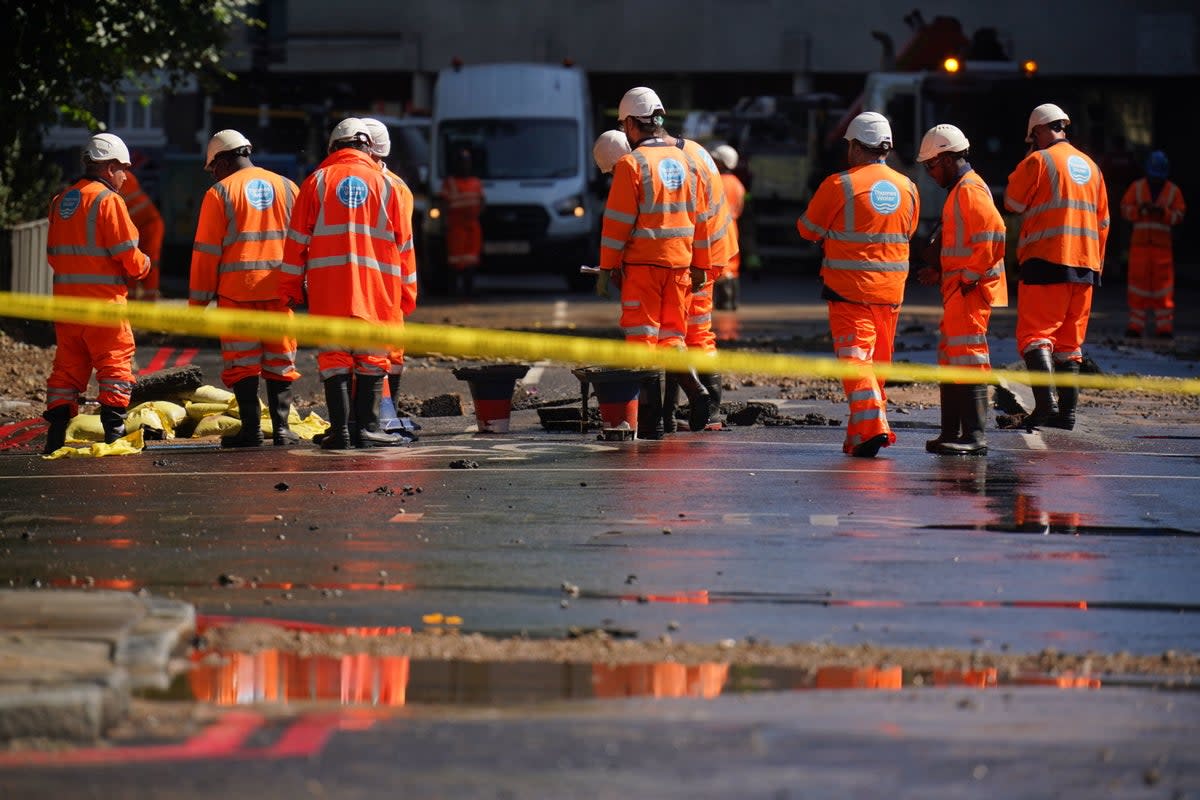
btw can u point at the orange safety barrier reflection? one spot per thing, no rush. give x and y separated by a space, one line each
659 680
889 678
985 678
272 676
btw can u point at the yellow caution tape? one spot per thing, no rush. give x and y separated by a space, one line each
521 346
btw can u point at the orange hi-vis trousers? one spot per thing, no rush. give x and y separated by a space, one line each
863 333
654 305
965 317
1151 288
1053 317
243 358
700 335
82 348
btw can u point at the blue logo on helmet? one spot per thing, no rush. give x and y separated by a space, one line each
1079 170
70 203
260 194
352 191
885 197
671 172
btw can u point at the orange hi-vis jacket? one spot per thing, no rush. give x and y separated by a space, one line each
973 238
1060 195
1152 231
239 239
408 256
141 207
866 216
92 245
735 196
463 199
655 211
722 240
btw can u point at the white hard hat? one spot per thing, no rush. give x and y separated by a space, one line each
639 102
609 148
942 139
871 128
381 140
107 147
349 128
223 142
1044 115
726 155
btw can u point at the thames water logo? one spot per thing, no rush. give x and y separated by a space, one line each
261 194
885 197
70 204
671 173
1079 170
352 191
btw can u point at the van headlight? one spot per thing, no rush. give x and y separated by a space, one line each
570 206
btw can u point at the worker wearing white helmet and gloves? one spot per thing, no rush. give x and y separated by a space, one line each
1060 194
92 247
864 218
969 265
381 148
236 261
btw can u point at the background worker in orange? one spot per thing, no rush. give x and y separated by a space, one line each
1153 204
381 147
343 245
728 286
655 231
149 223
865 217
236 260
971 265
462 201
92 247
1060 195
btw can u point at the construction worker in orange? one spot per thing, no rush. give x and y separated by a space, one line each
865 217
1153 204
236 261
656 233
381 147
727 289
343 246
970 270
150 227
92 247
1063 202
462 199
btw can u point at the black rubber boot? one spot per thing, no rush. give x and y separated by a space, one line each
393 380
1068 399
972 411
712 382
735 291
112 419
670 402
948 394
279 406
368 392
723 294
870 447
337 399
698 399
251 435
650 408
1043 396
59 418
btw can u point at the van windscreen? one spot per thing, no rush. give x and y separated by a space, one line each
511 148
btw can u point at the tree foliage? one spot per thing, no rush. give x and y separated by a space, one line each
63 57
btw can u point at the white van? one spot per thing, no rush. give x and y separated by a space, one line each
529 129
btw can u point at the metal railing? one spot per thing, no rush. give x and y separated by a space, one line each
23 265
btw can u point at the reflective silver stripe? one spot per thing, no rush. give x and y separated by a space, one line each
1052 169
244 361
259 236
988 236
1104 223
329 373
291 269
407 246
996 270
867 238
76 250
700 319
969 360
641 330
664 208
1065 358
670 334
1012 204
124 386
864 415
848 195
868 266
207 249
860 353
961 252
246 266
121 247
1151 226
620 216
817 229
89 280
1052 205
296 236
407 279
631 304
204 297
663 233
1065 230
239 345
281 369
1037 344
615 244
356 260
970 338
646 179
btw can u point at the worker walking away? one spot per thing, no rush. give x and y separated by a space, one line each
1153 204
727 288
149 223
92 247
970 261
462 199
656 233
236 261
381 148
865 218
1061 197
343 246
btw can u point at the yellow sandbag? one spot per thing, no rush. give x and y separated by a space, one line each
172 414
212 394
145 417
85 428
308 427
199 411
217 425
127 445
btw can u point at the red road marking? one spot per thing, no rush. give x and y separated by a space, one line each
186 356
159 361
18 433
